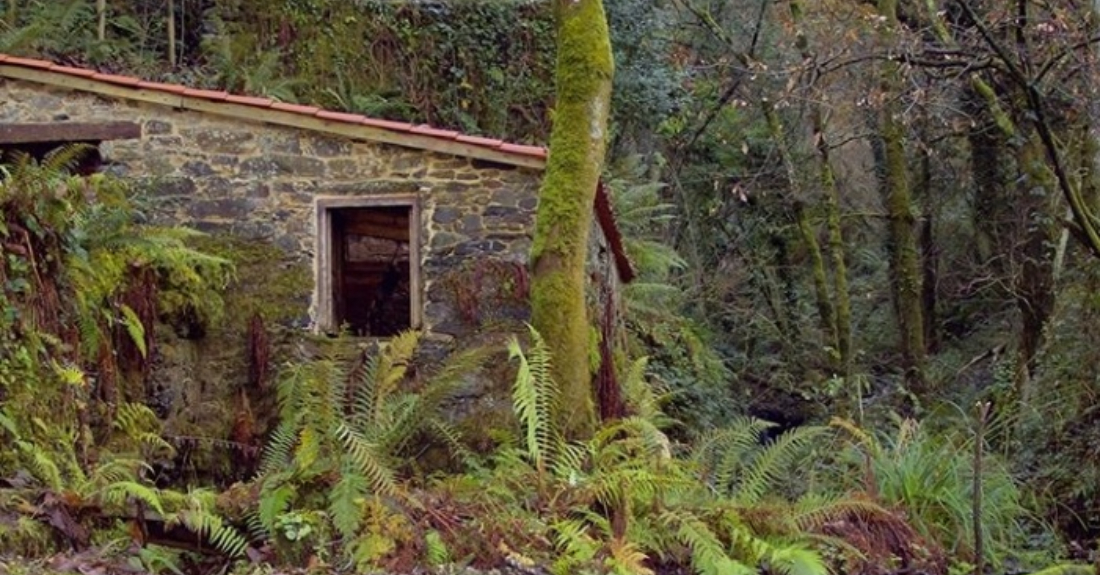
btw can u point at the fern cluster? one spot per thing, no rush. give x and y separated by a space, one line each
347 421
629 499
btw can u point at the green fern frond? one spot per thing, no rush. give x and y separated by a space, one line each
774 461
120 493
576 546
42 466
708 554
345 500
134 327
279 448
796 560
535 401
368 461
812 511
274 501
435 549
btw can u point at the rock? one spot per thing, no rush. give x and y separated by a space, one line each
446 215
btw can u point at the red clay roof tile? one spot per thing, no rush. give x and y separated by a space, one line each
116 79
28 62
341 117
80 72
426 130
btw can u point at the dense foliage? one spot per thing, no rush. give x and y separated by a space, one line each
878 215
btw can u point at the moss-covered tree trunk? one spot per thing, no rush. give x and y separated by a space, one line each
577 145
826 318
843 317
904 255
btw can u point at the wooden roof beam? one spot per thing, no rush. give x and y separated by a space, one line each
68 132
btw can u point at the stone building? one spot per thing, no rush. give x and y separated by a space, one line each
333 219
380 209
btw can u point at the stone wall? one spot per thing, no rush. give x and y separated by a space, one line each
252 187
258 182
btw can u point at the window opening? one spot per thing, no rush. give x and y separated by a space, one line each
371 282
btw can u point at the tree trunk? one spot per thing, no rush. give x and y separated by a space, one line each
826 318
843 321
929 261
101 15
1034 285
172 32
558 254
904 254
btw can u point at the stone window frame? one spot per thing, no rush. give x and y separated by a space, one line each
323 207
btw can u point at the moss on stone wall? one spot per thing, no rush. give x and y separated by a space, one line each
202 386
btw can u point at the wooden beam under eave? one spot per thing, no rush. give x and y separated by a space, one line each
68 132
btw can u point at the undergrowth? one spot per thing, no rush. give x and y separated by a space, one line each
81 286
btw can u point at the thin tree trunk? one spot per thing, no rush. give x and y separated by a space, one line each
13 13
101 14
836 250
929 268
559 251
172 32
904 254
843 321
826 318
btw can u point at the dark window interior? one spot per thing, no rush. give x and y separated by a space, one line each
88 162
370 267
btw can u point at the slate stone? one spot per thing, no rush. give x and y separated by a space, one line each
479 247
529 203
500 211
446 239
257 190
222 208
343 168
173 187
446 215
470 224
223 141
329 147
217 187
506 197
299 165
258 167
288 243
197 169
157 127
282 144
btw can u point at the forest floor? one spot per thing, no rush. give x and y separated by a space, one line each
99 562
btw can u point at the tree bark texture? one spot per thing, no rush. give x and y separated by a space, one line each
904 254
558 254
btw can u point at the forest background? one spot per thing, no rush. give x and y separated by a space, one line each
878 212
